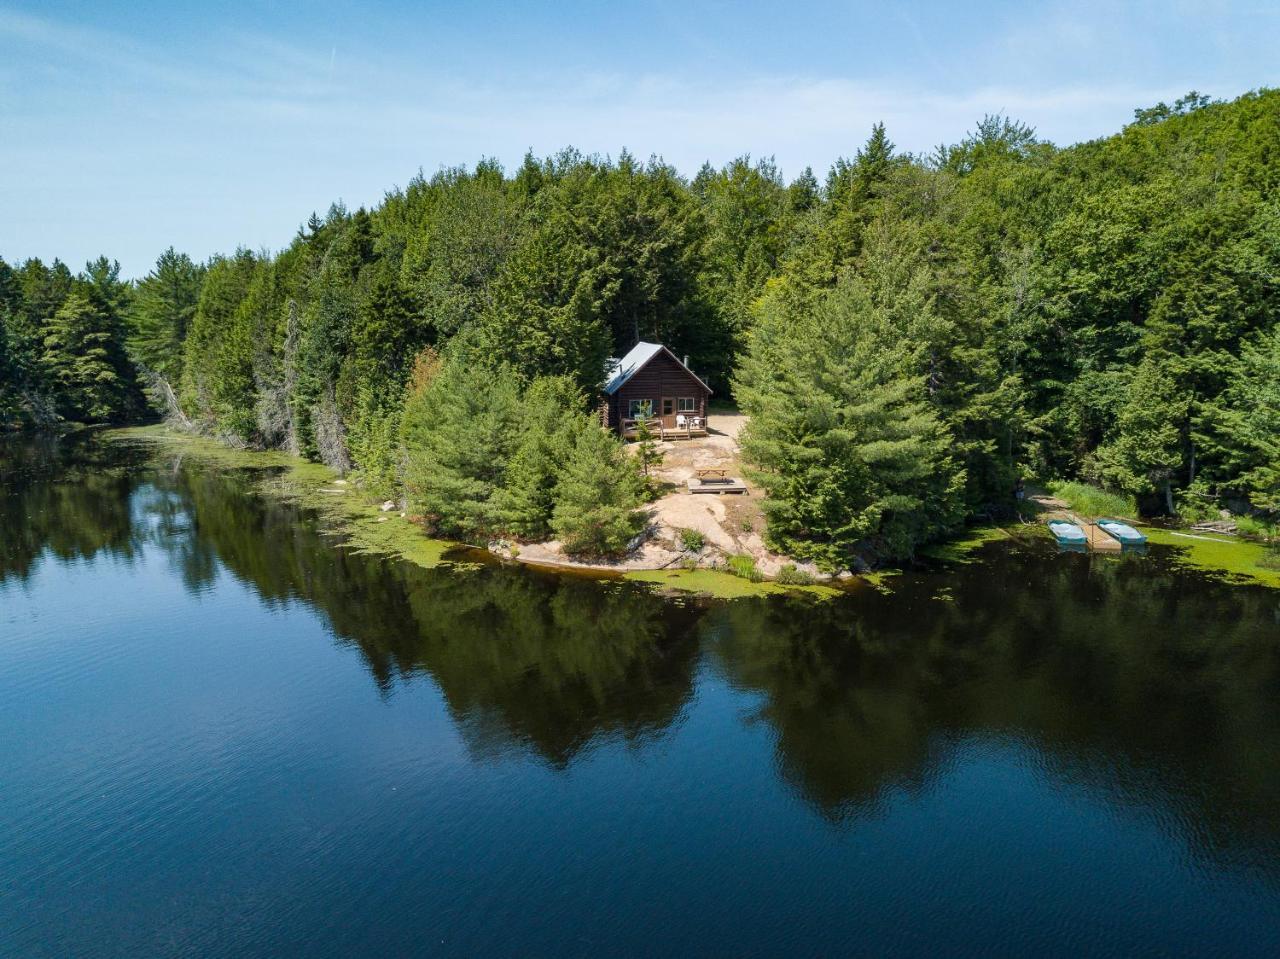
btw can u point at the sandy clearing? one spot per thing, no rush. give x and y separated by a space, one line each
729 524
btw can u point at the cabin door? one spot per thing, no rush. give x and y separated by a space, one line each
668 411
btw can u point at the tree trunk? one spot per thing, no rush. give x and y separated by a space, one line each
1168 496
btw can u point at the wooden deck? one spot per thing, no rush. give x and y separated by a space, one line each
663 431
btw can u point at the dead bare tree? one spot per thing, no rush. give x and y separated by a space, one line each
331 435
165 399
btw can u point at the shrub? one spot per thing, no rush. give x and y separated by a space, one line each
792 575
1084 498
1196 506
692 540
1255 527
745 567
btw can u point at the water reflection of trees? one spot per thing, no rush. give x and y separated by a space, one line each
69 497
522 660
1155 686
519 658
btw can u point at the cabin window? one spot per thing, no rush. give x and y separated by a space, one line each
667 406
640 409
687 404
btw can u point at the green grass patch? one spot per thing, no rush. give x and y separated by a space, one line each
1224 555
1083 498
880 579
395 537
745 567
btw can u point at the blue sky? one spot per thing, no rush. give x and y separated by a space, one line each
128 127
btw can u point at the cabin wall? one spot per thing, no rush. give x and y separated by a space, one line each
661 378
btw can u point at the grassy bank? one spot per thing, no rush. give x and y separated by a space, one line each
1235 559
364 527
1083 498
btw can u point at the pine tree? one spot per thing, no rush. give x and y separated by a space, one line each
598 494
162 309
216 344
459 436
471 227
41 291
842 435
101 278
804 193
748 214
648 452
84 357
1146 451
1244 423
549 307
10 302
550 410
9 406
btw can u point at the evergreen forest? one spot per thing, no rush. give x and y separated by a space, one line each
909 334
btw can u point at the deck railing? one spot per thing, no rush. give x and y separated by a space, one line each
693 426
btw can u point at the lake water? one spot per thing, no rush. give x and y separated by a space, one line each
222 736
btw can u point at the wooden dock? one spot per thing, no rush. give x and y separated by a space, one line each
1100 541
1097 540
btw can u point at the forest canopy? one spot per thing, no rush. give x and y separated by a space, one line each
909 333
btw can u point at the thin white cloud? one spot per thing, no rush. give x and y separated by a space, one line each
238 144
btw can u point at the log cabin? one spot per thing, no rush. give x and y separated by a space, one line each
651 383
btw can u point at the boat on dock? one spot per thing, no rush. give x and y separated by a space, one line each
1068 534
1123 533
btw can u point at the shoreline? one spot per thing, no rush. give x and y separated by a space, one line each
366 528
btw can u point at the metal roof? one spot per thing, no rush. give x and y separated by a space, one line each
622 370
619 371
